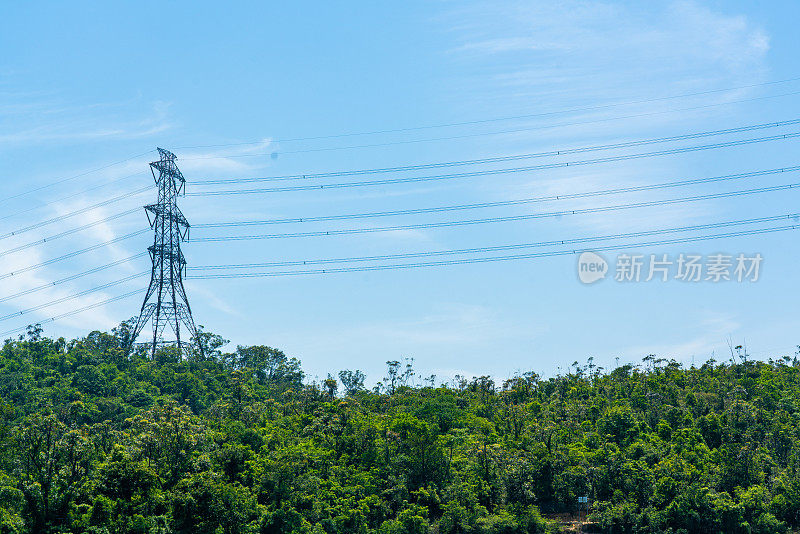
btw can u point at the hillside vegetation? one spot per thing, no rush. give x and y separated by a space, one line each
94 440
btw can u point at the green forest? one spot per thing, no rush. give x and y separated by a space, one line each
97 439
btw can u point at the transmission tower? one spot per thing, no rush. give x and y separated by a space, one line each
165 302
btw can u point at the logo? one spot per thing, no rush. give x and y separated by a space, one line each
591 267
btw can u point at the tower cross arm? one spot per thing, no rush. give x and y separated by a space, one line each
166 154
169 212
168 168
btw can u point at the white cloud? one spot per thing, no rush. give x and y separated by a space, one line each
99 317
211 299
555 54
682 36
233 159
47 122
545 56
103 230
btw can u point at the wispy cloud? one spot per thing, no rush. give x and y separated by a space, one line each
688 43
546 56
47 122
103 230
42 279
233 159
212 299
99 317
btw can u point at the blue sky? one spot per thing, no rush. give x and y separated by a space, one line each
231 88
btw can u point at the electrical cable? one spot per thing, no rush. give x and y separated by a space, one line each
499 203
73 254
496 258
73 312
71 277
496 119
502 132
502 159
510 218
512 170
496 248
73 296
81 211
67 232
498 132
426 264
73 195
74 177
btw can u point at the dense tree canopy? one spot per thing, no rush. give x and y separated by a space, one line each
97 440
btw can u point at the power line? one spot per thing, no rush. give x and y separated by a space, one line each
501 132
432 264
398 266
502 159
431 165
510 218
67 197
73 296
495 119
71 277
737 193
496 248
499 203
81 211
487 172
498 132
387 169
419 128
450 252
586 210
67 232
74 177
63 180
410 167
73 312
73 254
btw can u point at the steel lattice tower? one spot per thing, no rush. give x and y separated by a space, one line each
166 302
